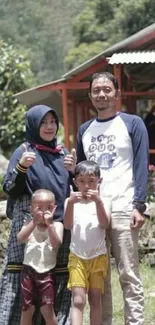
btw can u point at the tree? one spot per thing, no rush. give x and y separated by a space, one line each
91 31
43 29
15 76
102 23
132 16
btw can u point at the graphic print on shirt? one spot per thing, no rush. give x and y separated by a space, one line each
102 150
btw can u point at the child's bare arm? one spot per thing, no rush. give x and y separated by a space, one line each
103 216
29 226
26 231
69 208
55 231
68 214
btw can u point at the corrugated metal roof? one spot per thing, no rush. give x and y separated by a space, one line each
133 57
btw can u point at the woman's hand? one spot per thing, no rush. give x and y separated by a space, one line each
27 159
70 161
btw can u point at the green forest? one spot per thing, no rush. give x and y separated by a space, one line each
41 40
58 35
43 29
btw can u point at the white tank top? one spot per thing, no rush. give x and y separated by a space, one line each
87 237
39 254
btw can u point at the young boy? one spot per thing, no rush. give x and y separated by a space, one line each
42 237
87 215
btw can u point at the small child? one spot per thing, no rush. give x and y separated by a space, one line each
42 236
87 215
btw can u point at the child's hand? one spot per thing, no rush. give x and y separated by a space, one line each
75 196
48 216
38 216
93 195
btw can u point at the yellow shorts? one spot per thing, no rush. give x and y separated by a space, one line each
89 274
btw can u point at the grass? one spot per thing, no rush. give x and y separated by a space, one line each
148 278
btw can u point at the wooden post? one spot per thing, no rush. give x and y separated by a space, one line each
131 105
65 116
130 100
82 112
74 121
86 112
117 73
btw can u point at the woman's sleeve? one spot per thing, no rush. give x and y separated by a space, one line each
14 181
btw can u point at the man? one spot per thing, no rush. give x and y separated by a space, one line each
118 142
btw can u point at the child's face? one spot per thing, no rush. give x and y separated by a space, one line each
85 182
41 206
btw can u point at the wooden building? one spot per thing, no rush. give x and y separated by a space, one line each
132 61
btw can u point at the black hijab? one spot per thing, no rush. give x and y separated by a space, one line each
34 117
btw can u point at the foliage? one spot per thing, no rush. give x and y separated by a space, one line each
43 28
82 53
15 76
2 194
1 189
102 23
151 184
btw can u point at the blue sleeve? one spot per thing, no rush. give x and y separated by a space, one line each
140 144
14 181
80 151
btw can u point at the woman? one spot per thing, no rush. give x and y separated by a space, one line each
38 163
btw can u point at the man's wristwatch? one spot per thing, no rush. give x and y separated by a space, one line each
141 207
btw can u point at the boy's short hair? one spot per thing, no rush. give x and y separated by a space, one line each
40 192
87 167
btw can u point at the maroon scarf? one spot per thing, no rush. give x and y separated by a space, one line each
41 147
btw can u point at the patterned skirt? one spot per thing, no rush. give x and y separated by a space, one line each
10 297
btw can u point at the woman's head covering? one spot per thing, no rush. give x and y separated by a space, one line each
34 117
